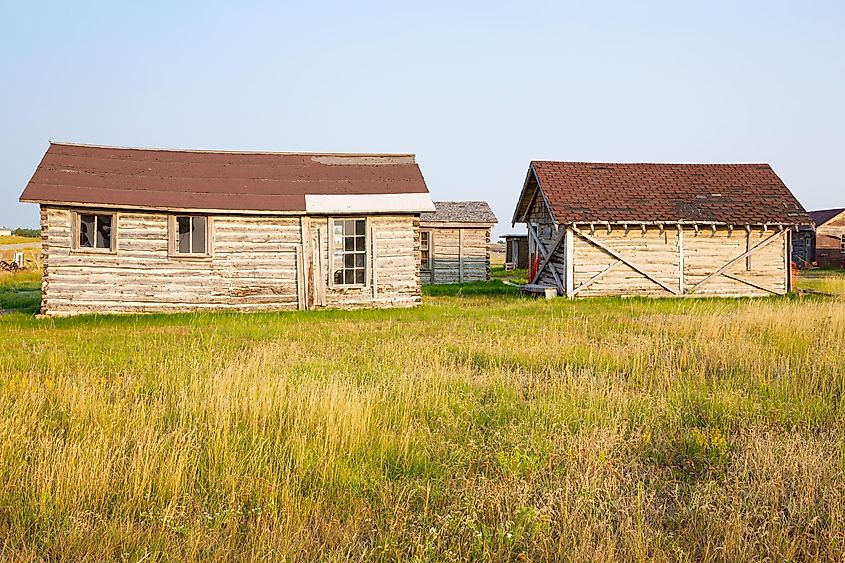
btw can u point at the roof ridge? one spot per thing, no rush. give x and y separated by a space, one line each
461 201
216 151
828 209
654 163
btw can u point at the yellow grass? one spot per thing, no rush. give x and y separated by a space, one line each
484 427
6 239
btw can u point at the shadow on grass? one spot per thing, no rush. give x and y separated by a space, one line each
20 293
488 288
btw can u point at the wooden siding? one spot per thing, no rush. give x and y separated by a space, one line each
257 263
459 255
656 253
395 280
669 262
829 242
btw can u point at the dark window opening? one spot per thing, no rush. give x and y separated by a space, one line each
191 234
95 231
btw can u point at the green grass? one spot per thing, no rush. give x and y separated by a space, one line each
20 292
831 282
483 425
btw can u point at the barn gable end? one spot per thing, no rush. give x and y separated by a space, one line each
658 229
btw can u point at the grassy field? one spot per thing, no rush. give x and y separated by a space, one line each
7 239
482 425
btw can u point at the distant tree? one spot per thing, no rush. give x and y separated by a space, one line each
29 233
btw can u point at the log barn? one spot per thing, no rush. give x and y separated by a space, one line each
455 242
658 229
153 230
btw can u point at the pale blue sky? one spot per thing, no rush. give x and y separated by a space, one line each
475 89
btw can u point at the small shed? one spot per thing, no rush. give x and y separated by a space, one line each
516 251
658 229
158 230
455 242
829 237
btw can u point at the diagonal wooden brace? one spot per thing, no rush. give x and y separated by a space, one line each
626 261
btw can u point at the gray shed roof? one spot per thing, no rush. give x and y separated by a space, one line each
460 212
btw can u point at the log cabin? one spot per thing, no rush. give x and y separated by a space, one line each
455 242
658 229
154 230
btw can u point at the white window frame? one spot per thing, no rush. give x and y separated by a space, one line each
76 221
332 249
842 244
173 237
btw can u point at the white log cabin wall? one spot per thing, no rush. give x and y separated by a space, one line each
393 277
257 263
459 254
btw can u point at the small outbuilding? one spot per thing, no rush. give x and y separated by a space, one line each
455 242
658 229
516 251
155 230
828 242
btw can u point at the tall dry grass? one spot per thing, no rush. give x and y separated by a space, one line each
484 428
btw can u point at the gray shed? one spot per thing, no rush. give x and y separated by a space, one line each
455 242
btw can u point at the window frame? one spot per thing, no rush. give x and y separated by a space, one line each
76 228
429 248
332 249
842 243
173 237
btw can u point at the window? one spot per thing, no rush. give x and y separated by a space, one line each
425 250
191 234
842 244
94 231
350 251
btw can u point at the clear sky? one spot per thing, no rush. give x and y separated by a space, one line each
475 89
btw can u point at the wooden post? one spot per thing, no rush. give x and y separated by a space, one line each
681 259
460 256
307 261
300 289
570 261
321 274
747 248
787 251
374 261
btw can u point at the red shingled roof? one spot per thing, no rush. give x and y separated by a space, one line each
586 192
234 181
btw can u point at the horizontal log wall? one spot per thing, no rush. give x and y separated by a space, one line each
396 276
658 254
450 258
253 266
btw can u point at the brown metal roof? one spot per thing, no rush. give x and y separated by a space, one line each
213 180
460 212
708 193
822 216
